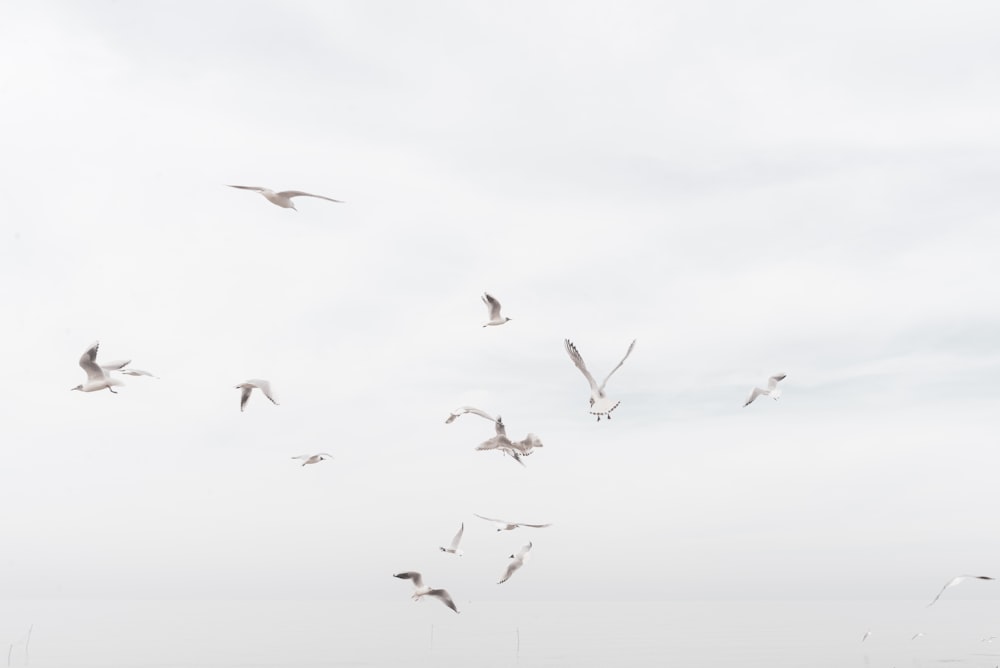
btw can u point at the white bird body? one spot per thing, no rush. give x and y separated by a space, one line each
98 378
248 387
515 449
516 563
957 580
771 390
420 590
493 307
453 548
284 198
600 404
313 459
504 525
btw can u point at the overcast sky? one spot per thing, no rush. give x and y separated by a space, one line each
744 188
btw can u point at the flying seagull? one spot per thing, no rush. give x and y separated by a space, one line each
918 635
453 548
462 410
956 580
249 385
97 377
867 633
420 590
284 198
515 449
493 306
510 526
313 459
518 561
771 391
599 402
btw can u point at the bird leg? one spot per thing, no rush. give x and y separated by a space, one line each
111 391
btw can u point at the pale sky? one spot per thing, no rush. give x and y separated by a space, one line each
744 188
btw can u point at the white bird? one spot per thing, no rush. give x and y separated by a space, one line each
771 391
97 377
956 580
510 526
493 306
462 410
599 402
918 635
518 561
867 633
453 548
284 198
249 385
515 449
313 459
420 590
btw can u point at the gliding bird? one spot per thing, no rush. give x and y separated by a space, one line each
771 391
313 459
284 198
599 402
420 590
248 386
956 580
510 526
517 563
98 378
453 548
493 306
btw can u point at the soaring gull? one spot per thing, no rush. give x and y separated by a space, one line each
420 590
504 525
284 198
518 561
956 580
771 391
493 306
248 387
98 378
600 404
313 459
453 548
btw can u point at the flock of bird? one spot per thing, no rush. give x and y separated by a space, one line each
102 376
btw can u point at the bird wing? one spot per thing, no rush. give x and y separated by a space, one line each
414 576
534 526
115 365
136 372
629 352
244 395
772 382
950 583
264 387
492 444
490 519
754 393
527 548
458 537
462 410
299 193
515 455
574 355
493 305
254 188
443 596
529 443
511 567
88 361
